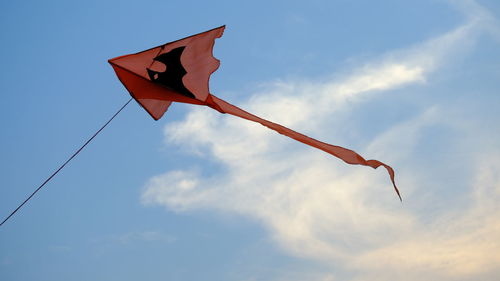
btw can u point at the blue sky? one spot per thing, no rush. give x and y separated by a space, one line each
201 196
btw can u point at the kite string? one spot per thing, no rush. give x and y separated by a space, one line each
67 161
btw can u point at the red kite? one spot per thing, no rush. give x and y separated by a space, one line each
179 71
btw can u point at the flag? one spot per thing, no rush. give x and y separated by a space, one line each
180 71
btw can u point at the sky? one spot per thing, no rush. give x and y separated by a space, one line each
202 196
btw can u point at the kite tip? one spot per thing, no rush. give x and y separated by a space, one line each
399 195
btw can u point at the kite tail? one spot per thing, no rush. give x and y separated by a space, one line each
346 155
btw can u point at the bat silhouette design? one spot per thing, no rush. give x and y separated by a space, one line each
172 77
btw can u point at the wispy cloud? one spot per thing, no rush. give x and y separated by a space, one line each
320 209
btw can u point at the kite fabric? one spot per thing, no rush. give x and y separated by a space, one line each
179 71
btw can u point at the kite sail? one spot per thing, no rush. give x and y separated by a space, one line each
179 71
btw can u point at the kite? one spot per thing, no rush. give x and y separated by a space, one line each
179 71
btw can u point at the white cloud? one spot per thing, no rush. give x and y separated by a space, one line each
460 244
318 208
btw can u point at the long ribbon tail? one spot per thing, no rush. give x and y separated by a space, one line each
346 155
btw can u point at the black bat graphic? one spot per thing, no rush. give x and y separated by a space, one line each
172 77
